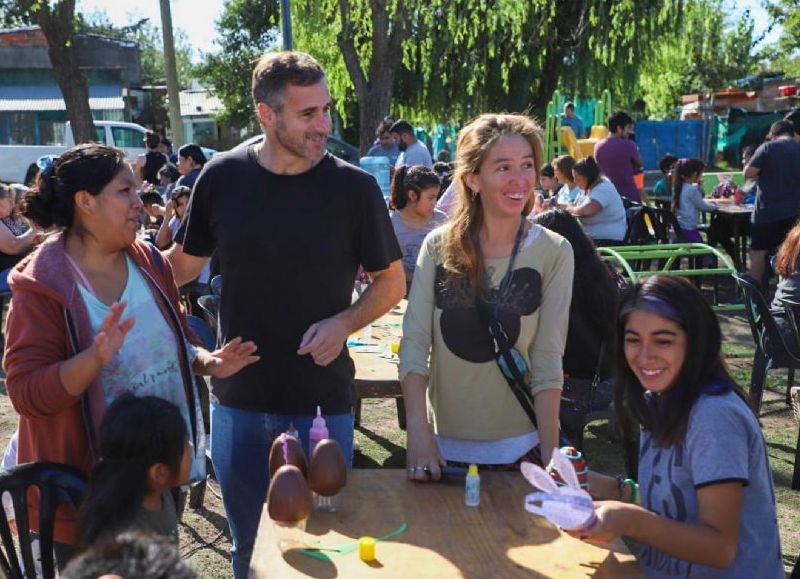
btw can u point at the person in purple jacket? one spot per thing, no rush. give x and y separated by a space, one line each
619 157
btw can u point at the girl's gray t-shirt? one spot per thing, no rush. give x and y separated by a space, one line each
410 239
723 444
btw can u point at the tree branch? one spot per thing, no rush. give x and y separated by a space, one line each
346 42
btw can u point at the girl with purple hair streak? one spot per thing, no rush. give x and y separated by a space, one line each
705 502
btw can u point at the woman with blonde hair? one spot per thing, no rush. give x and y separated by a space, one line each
488 267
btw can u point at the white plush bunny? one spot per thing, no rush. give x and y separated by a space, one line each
568 507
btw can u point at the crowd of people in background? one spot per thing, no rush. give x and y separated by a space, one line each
496 255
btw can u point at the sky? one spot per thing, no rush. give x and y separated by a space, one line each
196 17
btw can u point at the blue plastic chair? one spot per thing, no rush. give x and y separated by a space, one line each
209 305
200 327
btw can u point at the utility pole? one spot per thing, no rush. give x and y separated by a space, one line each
286 24
173 89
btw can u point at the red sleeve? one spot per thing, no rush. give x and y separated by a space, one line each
36 346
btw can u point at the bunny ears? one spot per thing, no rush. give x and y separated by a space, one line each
569 507
543 480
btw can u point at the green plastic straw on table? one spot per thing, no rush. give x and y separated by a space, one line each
349 547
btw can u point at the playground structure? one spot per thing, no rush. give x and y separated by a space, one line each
634 262
559 138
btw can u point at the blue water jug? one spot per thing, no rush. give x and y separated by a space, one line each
378 167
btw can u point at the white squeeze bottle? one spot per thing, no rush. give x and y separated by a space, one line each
317 432
472 487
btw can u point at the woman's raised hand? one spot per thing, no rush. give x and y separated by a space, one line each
112 333
231 358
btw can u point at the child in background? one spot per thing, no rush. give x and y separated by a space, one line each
687 197
546 197
144 452
662 187
705 503
548 182
569 191
414 214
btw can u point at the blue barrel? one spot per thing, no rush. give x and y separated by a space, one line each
379 167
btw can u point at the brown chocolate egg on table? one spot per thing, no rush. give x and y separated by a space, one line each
286 449
289 499
327 473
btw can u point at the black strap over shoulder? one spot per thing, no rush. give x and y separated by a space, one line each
502 346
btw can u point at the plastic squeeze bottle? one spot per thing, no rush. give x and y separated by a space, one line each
317 432
472 487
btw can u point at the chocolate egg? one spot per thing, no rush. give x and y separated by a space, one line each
327 473
288 499
286 449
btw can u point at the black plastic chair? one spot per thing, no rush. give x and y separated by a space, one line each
200 327
57 484
642 226
209 307
665 221
771 349
216 285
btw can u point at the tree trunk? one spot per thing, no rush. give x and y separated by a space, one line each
57 25
548 80
374 91
372 109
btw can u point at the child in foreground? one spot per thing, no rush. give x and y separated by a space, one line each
705 503
144 453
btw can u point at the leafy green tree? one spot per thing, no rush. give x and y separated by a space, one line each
705 54
449 59
785 55
247 29
368 45
56 20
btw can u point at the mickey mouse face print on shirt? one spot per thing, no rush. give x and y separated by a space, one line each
463 328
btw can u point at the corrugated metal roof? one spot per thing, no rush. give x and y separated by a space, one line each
48 98
27 105
199 103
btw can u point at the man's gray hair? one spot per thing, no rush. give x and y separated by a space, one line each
275 70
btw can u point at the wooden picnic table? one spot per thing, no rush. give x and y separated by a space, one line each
376 365
444 538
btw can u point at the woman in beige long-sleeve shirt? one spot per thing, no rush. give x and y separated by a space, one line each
459 406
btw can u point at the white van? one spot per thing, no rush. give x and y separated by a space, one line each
16 159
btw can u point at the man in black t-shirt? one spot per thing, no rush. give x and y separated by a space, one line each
290 224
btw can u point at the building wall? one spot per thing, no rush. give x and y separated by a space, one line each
25 49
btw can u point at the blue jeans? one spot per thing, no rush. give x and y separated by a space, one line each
4 281
240 445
